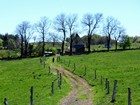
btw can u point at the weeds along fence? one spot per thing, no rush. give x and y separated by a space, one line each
104 82
54 87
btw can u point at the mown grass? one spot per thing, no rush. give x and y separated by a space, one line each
122 66
17 77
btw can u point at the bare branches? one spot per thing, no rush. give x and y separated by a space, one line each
71 21
92 23
110 27
42 28
60 23
24 31
61 26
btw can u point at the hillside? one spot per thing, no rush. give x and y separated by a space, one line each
121 66
17 77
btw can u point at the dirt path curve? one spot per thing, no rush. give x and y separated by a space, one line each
81 91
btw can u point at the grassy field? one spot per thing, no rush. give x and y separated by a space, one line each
121 66
102 47
17 77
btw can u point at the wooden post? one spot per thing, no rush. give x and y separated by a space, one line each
95 74
52 88
129 96
53 59
31 96
59 85
108 88
60 78
106 83
5 101
101 80
57 74
114 91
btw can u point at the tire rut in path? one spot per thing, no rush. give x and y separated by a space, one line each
81 93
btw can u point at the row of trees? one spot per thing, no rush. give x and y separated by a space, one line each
67 24
9 41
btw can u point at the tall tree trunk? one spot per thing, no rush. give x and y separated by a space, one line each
116 44
63 42
70 43
43 45
26 47
71 46
62 47
108 43
89 41
21 51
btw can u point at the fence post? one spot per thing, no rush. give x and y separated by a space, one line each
59 85
5 101
106 83
60 78
101 80
108 87
114 91
57 74
52 88
49 70
32 94
129 96
95 74
53 59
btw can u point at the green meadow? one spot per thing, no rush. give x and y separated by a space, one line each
123 66
17 77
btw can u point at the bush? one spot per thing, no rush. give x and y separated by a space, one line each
125 42
8 54
53 49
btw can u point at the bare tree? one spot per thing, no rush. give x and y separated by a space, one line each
119 33
61 26
23 30
110 28
53 37
92 23
71 22
42 28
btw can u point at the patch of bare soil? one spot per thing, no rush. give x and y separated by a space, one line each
81 91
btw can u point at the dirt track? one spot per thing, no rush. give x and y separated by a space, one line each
81 91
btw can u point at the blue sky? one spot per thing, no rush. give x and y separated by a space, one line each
13 12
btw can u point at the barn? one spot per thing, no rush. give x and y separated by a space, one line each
78 46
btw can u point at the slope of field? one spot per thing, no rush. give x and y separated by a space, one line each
121 66
17 77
